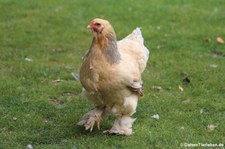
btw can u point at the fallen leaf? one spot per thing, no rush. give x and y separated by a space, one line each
185 77
29 146
155 116
76 76
157 88
201 111
186 80
207 39
57 81
211 127
214 65
220 40
28 59
180 88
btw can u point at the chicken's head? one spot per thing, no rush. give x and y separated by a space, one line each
101 27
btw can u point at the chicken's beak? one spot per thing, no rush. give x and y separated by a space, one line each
89 26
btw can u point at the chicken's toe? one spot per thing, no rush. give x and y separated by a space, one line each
92 117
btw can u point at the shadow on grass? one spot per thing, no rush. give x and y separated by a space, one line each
60 130
41 122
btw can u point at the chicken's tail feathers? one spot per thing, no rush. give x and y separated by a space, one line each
136 35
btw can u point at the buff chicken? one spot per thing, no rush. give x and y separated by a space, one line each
110 74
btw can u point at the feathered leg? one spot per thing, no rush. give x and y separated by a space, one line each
95 115
124 121
92 117
121 126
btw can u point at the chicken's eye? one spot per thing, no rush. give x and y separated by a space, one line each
97 24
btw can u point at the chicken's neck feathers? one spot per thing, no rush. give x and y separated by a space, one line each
108 46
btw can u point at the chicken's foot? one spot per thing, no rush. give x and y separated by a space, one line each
92 117
121 126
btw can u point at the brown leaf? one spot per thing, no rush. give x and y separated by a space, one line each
220 40
186 80
207 39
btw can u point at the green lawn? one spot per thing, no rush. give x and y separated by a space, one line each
42 43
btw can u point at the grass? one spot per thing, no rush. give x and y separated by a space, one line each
35 109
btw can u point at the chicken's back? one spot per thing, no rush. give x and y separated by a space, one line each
133 45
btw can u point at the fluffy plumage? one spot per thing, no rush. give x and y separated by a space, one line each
111 76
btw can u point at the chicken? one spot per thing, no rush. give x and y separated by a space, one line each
111 76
